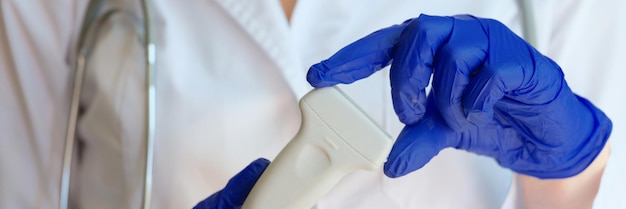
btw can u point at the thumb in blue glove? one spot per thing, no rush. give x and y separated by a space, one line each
492 94
237 189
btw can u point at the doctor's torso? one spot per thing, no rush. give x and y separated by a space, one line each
229 74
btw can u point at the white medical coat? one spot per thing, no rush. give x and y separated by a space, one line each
229 76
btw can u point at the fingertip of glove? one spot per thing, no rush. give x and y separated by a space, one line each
260 164
393 170
315 76
398 168
261 161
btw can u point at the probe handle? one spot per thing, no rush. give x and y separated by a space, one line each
335 139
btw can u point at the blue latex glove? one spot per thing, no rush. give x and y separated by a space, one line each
492 94
237 189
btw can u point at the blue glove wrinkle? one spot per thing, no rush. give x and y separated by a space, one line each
543 86
408 108
482 92
557 157
463 53
496 77
413 64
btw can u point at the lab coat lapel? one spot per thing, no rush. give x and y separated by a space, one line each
265 23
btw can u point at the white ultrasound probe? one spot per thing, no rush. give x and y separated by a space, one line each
336 137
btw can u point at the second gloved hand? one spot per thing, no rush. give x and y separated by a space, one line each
237 189
492 94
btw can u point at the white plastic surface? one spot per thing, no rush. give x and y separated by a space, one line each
335 138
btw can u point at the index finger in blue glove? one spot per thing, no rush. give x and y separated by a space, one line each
358 60
413 64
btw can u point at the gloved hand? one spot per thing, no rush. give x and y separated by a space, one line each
237 189
492 94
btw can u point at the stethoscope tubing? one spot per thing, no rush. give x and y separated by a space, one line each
90 27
